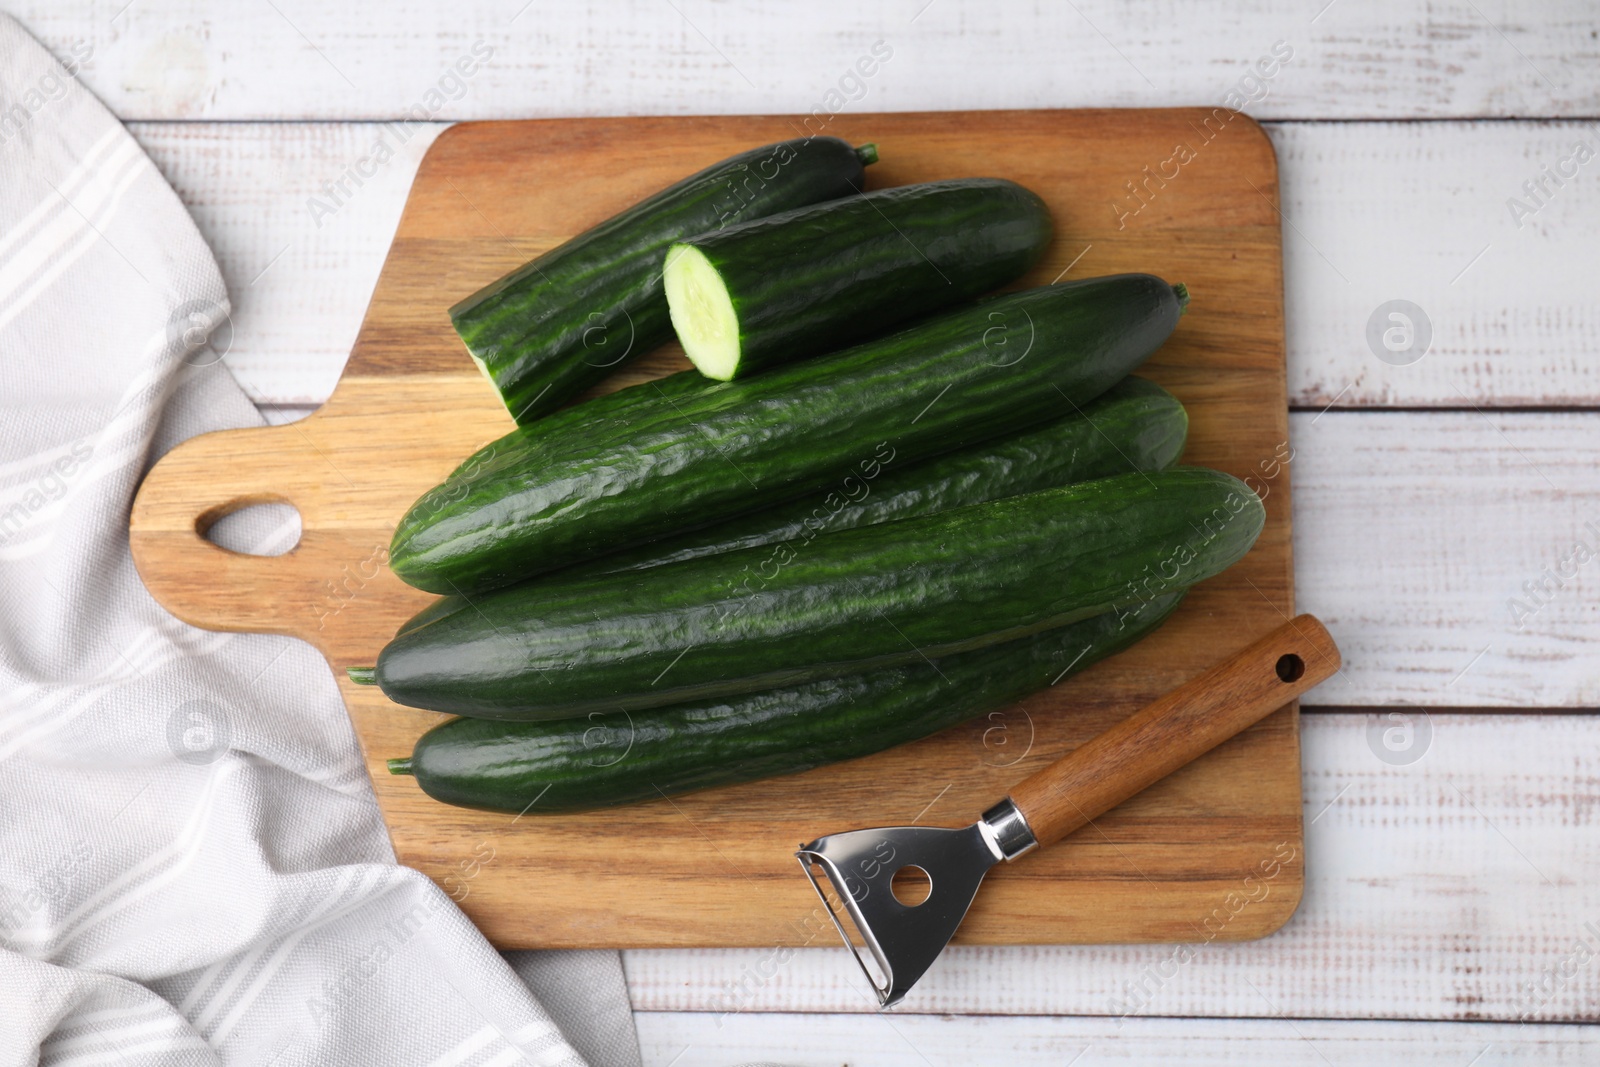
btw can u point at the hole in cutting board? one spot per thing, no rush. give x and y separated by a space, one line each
252 527
1291 668
911 885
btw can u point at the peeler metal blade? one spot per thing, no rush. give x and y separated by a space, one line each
905 939
1051 803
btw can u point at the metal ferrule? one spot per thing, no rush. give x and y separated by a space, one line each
1006 831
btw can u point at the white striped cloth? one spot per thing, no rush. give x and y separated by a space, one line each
192 868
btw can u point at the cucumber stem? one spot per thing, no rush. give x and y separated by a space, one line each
868 154
1182 293
399 766
362 675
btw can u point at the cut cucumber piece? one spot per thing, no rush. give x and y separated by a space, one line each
805 282
555 326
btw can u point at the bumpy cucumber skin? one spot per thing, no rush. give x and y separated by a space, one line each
1135 425
603 419
845 602
808 281
616 758
553 499
557 325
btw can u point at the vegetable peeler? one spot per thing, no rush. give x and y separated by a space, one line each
904 939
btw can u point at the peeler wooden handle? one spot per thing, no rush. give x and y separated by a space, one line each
1176 729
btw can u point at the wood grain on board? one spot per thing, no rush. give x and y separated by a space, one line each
715 868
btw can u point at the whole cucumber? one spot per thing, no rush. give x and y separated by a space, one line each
808 281
1136 425
553 327
844 602
675 462
618 758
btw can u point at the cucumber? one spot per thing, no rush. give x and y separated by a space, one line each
811 280
669 463
614 414
845 602
553 327
609 759
1136 425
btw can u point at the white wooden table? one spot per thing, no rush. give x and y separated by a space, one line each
1452 915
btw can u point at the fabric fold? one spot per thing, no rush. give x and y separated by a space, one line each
192 865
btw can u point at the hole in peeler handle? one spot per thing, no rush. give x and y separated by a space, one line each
911 885
1290 668
257 525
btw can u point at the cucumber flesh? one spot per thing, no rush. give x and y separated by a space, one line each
702 313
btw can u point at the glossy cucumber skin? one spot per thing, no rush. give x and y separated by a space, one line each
602 485
1135 425
557 325
601 419
811 280
844 602
615 758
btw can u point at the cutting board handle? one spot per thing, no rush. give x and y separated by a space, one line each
215 474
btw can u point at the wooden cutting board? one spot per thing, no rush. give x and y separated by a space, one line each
1215 852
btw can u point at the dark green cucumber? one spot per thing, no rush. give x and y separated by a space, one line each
1136 425
844 602
613 413
555 326
808 281
598 485
616 758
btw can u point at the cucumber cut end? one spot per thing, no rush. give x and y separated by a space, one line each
868 154
483 368
702 312
399 766
1181 291
362 675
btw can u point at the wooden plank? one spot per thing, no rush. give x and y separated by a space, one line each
1424 213
491 195
299 276
1464 885
1510 331
169 59
1414 535
818 1040
1443 551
